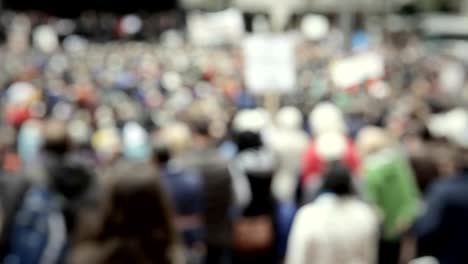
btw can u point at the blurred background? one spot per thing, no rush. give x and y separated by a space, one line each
234 131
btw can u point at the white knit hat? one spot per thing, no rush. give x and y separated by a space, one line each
251 120
135 141
289 117
331 146
327 117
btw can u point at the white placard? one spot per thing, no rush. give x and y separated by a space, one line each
357 69
452 77
207 29
45 38
315 27
270 63
441 24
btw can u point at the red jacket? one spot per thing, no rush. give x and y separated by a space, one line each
313 165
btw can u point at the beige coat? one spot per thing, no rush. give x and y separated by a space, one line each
334 230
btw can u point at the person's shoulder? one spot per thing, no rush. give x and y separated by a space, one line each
306 214
380 159
449 185
381 162
314 208
204 157
362 208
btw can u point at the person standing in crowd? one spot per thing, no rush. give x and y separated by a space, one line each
217 202
330 143
134 223
337 227
441 230
253 169
390 185
184 185
10 162
13 188
50 207
288 141
55 151
425 168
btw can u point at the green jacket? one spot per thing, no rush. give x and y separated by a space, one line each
390 185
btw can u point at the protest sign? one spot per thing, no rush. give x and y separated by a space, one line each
270 63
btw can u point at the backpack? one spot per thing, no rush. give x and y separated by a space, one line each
254 234
38 234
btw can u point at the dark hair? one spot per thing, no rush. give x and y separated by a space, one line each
338 180
73 181
56 138
136 219
248 140
425 168
200 126
161 153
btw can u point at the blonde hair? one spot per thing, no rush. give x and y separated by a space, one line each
372 139
176 136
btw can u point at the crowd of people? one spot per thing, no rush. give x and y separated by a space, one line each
156 152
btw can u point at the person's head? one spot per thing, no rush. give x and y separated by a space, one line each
56 139
248 140
106 143
289 117
331 146
175 137
136 217
247 126
200 127
161 154
373 139
135 143
73 181
79 133
327 117
250 120
207 121
338 180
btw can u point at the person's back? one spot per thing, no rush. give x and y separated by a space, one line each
289 143
206 159
442 231
38 233
184 185
217 192
337 228
333 231
330 143
135 222
391 187
185 190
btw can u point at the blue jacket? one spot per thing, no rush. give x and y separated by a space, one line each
185 188
442 231
38 234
